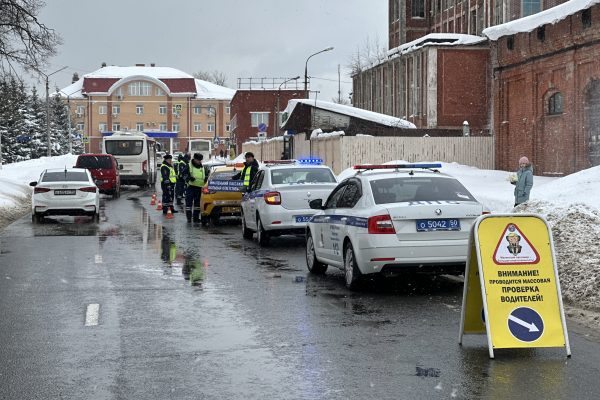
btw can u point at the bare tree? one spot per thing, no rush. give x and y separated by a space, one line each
372 52
216 77
24 41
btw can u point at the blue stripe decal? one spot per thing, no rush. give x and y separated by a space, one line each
337 220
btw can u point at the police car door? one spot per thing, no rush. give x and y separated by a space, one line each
344 219
252 198
324 244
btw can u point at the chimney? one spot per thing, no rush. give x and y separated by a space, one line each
103 64
153 65
140 65
75 77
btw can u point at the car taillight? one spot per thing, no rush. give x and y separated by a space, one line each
273 198
90 189
381 224
41 190
145 166
485 212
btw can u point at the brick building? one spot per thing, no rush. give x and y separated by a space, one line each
259 101
546 89
162 102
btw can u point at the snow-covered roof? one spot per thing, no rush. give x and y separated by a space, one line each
208 90
73 91
114 71
531 22
351 112
436 39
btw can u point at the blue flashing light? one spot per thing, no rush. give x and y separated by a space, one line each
310 161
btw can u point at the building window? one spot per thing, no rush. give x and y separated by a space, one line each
162 127
116 127
80 110
139 126
139 109
499 12
162 109
119 93
228 110
555 104
258 118
140 88
418 8
197 127
175 127
228 128
541 33
530 7
160 92
102 127
102 110
586 18
211 127
510 42
210 110
177 109
197 110
116 109
80 126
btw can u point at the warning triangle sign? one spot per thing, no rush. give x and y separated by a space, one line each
514 248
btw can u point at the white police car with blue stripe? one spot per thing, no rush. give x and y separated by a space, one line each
277 201
389 219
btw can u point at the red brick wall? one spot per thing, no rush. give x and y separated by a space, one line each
566 61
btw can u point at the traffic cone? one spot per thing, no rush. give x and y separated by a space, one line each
159 207
169 213
153 200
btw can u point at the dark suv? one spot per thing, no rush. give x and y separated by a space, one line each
105 171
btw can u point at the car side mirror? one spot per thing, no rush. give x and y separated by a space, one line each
33 184
120 166
316 204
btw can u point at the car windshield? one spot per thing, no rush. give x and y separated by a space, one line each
398 190
301 175
65 176
94 162
124 147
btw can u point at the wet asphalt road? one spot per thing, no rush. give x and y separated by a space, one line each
199 313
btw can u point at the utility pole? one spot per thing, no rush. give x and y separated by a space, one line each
339 85
306 67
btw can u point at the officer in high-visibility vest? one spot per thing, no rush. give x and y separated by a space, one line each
195 178
249 171
180 169
168 178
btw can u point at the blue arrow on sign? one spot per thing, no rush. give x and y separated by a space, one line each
525 324
262 127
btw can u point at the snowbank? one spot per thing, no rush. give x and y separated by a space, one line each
319 134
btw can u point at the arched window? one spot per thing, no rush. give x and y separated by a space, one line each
555 104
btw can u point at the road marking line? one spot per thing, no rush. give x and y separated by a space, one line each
91 314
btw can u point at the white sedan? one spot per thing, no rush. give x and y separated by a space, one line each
65 192
277 200
392 218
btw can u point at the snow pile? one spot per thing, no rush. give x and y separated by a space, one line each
531 22
350 112
319 134
576 229
435 39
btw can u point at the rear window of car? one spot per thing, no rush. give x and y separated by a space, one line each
94 162
69 176
399 190
301 175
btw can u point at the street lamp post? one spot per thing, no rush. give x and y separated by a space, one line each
278 96
306 66
69 116
46 76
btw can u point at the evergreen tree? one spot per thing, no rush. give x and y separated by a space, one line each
12 120
59 126
37 123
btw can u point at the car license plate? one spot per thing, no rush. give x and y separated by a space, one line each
302 218
64 192
230 210
426 225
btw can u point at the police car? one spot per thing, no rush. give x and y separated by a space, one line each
392 218
277 200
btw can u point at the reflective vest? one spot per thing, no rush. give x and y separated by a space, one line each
172 174
197 174
247 176
180 164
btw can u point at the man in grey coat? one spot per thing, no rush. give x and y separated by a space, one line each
524 181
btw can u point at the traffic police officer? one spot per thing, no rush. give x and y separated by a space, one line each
168 178
180 169
195 178
249 171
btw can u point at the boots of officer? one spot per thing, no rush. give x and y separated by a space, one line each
188 215
196 215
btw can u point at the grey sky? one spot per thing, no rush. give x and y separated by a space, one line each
242 38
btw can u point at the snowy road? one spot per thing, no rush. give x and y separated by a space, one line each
132 308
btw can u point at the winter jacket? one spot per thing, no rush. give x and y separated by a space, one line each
524 184
187 173
253 170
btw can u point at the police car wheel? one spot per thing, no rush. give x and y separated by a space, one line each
261 235
314 266
351 272
246 233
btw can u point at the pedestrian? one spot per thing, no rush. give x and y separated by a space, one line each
168 178
249 171
195 178
523 181
180 169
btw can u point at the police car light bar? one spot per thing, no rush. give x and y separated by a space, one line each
398 166
310 161
274 162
